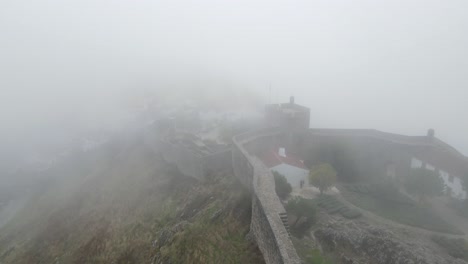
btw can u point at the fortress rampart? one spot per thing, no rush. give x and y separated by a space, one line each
268 225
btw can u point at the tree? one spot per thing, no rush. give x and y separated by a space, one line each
301 208
322 176
282 186
424 183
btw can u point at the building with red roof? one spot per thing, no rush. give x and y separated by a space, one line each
277 159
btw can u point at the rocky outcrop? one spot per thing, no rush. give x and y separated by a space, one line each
362 243
167 235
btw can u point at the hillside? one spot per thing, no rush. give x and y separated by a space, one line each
122 204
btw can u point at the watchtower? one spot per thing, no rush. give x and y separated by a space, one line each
290 115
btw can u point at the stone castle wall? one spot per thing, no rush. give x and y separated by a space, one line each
266 225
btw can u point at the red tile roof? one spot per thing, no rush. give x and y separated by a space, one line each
272 158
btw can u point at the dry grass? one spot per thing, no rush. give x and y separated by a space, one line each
111 207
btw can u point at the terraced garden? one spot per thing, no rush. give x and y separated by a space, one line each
397 207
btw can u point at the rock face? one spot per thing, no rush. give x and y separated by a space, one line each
360 243
167 234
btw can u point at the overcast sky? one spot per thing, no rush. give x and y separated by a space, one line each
397 66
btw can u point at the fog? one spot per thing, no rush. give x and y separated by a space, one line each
69 67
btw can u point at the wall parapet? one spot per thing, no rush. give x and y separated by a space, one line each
268 229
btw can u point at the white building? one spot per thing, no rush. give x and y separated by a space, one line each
291 167
451 181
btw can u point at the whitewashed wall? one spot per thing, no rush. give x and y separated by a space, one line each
452 181
293 174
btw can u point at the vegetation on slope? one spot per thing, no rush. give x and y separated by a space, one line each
322 176
332 205
309 253
113 205
396 207
455 247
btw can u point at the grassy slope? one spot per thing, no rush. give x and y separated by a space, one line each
109 206
405 213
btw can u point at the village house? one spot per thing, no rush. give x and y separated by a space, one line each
292 168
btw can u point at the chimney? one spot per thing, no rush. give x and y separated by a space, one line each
430 133
291 100
282 152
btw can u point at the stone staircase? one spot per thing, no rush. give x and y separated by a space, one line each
284 219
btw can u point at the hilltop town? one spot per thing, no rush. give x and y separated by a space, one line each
370 194
197 186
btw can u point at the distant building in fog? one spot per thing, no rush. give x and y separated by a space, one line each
290 115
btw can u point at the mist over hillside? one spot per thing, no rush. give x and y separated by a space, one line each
233 131
354 64
111 205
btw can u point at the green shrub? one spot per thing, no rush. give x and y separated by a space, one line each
315 257
302 208
322 176
282 187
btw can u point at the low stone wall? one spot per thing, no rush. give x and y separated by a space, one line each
266 225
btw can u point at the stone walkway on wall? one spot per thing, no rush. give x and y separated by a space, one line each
269 225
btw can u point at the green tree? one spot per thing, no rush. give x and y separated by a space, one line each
282 186
424 183
322 176
302 208
316 257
